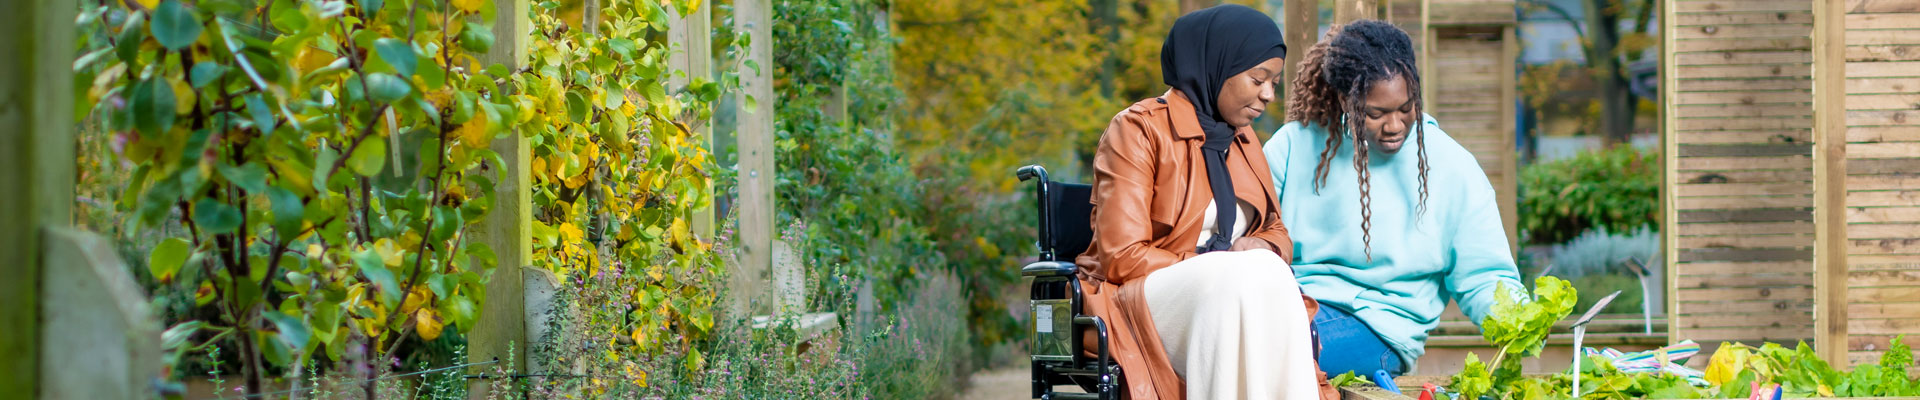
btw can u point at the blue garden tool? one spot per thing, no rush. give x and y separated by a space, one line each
1385 381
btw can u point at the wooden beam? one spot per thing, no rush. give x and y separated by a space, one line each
508 227
755 142
36 159
1302 31
1830 182
1669 216
693 54
1345 11
1509 183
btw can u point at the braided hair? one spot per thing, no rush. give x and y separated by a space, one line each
1332 86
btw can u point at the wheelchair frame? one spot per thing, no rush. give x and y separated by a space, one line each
1057 316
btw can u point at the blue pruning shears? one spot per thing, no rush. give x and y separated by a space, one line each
1385 381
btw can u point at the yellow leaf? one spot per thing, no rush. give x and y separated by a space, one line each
184 96
570 233
416 300
474 133
388 253
428 322
679 231
469 6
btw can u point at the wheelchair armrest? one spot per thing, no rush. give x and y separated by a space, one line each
1048 269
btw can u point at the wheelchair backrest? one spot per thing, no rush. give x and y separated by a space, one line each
1068 212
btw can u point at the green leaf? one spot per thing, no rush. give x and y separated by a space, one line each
287 16
385 88
174 26
398 54
204 73
167 257
577 107
251 177
322 165
153 108
178 335
369 158
447 222
476 38
262 116
376 271
293 330
215 217
289 214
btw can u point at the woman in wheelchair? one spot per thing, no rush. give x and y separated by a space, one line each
1434 213
1188 261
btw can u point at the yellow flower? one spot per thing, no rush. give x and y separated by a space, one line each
474 133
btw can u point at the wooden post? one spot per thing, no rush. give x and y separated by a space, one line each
693 53
755 137
1303 29
1830 182
508 228
1345 11
36 159
1508 188
1670 157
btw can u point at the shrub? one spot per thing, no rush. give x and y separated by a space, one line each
1616 189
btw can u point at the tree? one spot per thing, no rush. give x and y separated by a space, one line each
1608 52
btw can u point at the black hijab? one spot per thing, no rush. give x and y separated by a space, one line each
1204 49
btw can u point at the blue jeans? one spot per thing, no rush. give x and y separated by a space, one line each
1347 344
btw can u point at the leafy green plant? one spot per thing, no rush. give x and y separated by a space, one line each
1615 189
268 131
1519 328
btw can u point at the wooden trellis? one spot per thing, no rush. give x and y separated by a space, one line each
1792 208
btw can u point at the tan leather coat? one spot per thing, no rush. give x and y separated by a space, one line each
1150 195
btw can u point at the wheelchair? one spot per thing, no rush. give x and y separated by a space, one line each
1058 354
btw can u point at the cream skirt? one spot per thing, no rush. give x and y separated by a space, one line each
1234 326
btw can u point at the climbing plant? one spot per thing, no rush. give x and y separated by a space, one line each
323 157
619 170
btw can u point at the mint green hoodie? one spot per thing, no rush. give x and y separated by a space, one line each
1457 250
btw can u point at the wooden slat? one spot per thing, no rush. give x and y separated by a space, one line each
1858 22
1743 57
1745 334
1882 260
1885 69
1742 189
1891 101
1884 117
1726 85
1884 53
1858 86
1698 19
1884 198
1747 150
1742 163
1876 343
1699 45
1763 320
1745 31
1791 175
1882 6
1884 246
1728 6
1884 150
1745 294
1736 202
1884 326
1689 124
1752 228
1882 134
1881 214
1883 37
1744 280
1878 278
1751 215
1724 269
1744 98
1883 231
1718 307
1744 255
1740 111
1883 166
1733 137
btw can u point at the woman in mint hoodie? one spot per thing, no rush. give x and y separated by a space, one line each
1381 237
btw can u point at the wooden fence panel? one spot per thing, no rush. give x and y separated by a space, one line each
1739 129
1882 42
1473 98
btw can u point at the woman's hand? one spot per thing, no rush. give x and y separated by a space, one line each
1251 243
